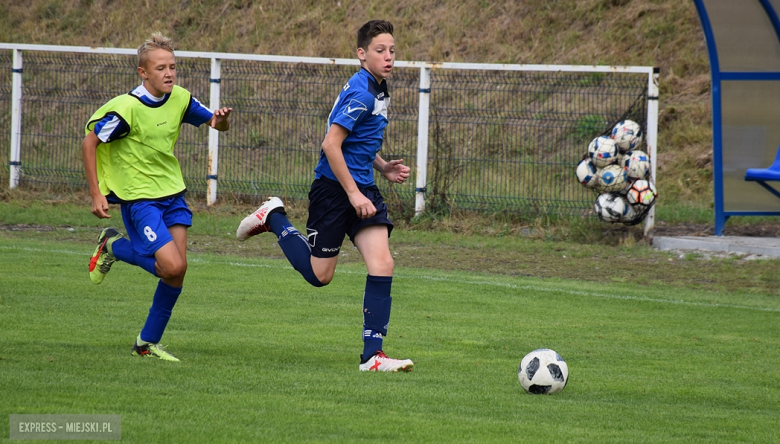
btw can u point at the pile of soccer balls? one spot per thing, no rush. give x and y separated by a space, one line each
620 172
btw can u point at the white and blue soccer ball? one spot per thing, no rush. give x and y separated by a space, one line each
611 207
627 135
611 178
603 151
587 174
637 165
543 372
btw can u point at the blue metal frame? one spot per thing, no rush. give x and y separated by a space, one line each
717 139
750 75
721 216
770 11
768 188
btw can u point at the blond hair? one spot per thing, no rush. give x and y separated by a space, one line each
156 41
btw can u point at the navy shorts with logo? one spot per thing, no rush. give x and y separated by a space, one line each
332 216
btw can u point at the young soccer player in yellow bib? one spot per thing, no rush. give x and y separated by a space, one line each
129 160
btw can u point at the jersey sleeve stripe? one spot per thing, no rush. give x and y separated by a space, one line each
196 113
111 127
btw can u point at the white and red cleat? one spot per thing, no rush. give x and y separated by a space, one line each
381 363
257 222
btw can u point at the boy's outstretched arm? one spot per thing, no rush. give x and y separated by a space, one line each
88 152
219 121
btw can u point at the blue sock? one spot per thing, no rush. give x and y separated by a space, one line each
277 222
376 313
295 247
123 250
162 305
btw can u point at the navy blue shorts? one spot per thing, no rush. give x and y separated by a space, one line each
147 222
332 216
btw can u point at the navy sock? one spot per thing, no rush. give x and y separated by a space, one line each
295 247
123 250
376 313
162 305
277 222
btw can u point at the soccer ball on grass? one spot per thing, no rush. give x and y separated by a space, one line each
543 372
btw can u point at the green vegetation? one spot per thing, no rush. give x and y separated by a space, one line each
568 248
588 127
267 358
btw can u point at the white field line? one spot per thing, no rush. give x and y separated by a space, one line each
196 260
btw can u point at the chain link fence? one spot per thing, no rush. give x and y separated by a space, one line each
499 141
5 114
510 141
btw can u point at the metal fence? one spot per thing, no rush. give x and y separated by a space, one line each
491 138
505 140
5 114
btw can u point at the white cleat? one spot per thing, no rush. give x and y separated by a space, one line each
381 363
257 222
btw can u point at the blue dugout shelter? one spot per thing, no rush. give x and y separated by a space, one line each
743 41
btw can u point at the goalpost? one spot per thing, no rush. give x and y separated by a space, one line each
648 122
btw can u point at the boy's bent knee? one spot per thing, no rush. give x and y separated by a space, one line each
172 271
322 271
324 277
322 281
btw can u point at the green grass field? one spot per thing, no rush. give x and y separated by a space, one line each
267 358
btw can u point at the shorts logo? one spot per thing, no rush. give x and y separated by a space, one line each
354 109
312 235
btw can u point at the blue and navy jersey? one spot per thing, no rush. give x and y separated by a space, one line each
113 126
361 109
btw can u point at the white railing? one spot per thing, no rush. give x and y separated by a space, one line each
424 102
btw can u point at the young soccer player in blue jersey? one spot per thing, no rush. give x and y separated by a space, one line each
128 159
344 200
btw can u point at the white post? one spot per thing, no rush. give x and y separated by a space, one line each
15 160
652 141
422 140
216 73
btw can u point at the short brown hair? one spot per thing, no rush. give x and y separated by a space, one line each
156 41
367 32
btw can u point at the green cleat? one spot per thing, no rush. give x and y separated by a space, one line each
103 257
153 351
